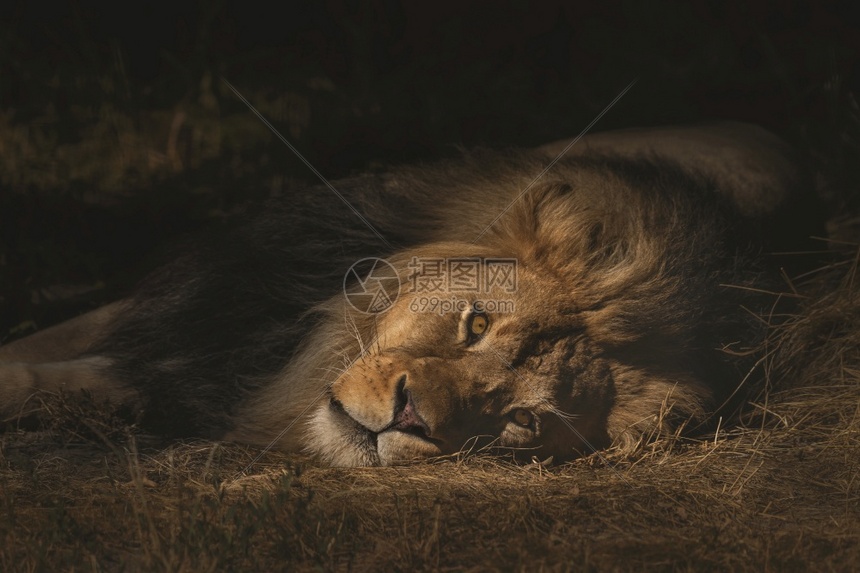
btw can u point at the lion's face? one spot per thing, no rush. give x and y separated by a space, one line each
598 346
435 383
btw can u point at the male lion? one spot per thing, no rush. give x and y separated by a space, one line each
609 307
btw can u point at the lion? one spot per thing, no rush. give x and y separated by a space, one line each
550 302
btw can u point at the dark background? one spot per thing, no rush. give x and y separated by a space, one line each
118 135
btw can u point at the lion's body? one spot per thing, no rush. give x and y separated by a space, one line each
615 326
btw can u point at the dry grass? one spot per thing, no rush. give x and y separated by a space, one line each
780 492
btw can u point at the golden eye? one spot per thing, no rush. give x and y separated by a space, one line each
523 418
478 324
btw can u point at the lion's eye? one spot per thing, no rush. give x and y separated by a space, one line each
476 325
523 418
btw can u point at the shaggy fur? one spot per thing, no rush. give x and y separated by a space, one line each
623 317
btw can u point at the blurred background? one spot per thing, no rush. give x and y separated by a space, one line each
118 134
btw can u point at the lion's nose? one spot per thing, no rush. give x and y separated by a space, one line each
406 417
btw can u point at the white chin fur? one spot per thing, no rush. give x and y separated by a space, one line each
337 440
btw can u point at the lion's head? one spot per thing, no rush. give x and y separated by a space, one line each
592 347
